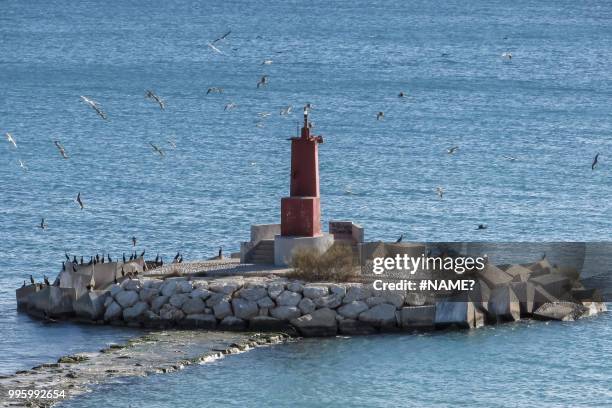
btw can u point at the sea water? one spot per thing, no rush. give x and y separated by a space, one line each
548 107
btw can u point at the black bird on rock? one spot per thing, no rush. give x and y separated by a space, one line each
74 268
81 263
74 259
122 272
157 258
220 252
67 256
400 239
142 254
109 258
46 280
63 266
176 257
32 280
124 258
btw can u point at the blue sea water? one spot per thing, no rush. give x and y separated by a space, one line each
549 107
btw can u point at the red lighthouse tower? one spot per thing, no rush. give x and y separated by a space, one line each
301 212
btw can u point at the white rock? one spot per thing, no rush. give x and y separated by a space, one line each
126 298
222 309
306 305
319 323
253 293
200 293
353 309
285 312
147 294
415 299
356 293
275 289
200 284
225 287
158 302
131 284
132 313
193 306
266 302
329 301
108 301
244 309
152 283
178 299
184 287
216 298
171 313
288 298
382 315
113 311
115 289
337 289
315 291
168 288
295 286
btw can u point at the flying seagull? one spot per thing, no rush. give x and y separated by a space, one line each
94 106
286 111
214 89
440 192
78 200
151 95
157 149
43 225
172 143
215 49
595 161
10 139
230 106
507 55
380 115
509 158
267 62
452 150
23 165
222 37
61 149
263 81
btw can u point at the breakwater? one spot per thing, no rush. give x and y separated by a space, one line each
277 303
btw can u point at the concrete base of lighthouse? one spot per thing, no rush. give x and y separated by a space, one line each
285 246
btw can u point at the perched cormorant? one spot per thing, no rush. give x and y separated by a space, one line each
74 259
220 252
124 258
176 257
122 272
63 266
109 258
23 286
32 279
81 263
142 254
67 256
400 239
115 280
46 280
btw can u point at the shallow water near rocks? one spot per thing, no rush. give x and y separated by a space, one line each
521 365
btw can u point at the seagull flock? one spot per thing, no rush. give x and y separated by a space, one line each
216 47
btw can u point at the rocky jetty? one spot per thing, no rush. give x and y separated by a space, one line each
274 303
